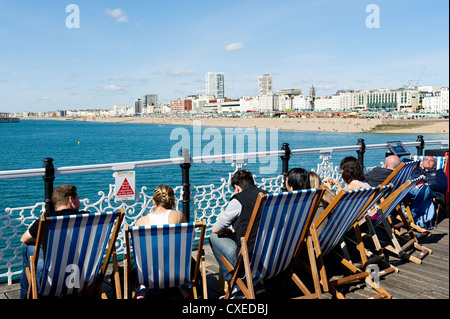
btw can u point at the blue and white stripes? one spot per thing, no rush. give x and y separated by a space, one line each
343 216
394 202
283 220
75 249
403 175
162 254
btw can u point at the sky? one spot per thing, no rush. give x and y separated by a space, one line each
121 50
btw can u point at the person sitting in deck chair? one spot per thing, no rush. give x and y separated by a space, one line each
164 201
223 240
352 175
431 189
378 174
67 202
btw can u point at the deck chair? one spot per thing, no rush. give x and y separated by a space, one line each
440 160
400 174
162 256
397 178
341 214
378 257
281 222
441 163
387 207
74 259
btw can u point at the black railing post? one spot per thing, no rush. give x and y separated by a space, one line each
185 184
421 146
48 184
361 151
285 162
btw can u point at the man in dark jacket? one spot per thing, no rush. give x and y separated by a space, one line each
225 241
432 187
434 178
378 174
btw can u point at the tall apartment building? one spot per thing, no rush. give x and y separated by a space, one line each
149 100
215 84
264 85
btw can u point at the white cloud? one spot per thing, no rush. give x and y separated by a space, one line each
117 14
234 47
179 72
120 78
112 88
44 98
77 60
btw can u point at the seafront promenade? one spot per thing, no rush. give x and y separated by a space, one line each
429 280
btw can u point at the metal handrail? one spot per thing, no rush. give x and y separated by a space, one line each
40 172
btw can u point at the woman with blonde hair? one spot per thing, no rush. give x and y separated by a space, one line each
316 182
164 201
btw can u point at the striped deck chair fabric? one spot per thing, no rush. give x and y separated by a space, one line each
285 219
402 175
390 205
440 160
343 216
162 254
75 250
383 191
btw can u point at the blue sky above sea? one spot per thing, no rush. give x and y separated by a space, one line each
124 49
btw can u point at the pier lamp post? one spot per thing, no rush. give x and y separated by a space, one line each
361 151
48 178
185 184
421 146
285 162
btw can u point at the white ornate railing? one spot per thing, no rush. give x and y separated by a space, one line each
208 201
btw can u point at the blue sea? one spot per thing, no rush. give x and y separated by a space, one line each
24 145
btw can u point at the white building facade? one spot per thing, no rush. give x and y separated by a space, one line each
215 84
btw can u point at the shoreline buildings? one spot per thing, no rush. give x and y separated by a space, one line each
413 99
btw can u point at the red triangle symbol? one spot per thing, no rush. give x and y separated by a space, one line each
125 189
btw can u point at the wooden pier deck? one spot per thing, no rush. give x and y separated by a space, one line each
429 280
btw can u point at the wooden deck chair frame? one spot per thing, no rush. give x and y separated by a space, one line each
94 290
244 263
129 286
359 271
391 178
386 208
372 258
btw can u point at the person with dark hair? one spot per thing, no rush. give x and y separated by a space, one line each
225 241
296 179
66 202
352 175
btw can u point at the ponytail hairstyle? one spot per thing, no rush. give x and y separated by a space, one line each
164 196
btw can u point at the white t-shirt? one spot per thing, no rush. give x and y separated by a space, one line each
159 219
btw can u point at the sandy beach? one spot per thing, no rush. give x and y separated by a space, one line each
338 125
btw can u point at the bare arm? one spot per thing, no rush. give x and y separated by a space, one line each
27 239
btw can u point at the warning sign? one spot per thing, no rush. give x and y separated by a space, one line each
125 186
